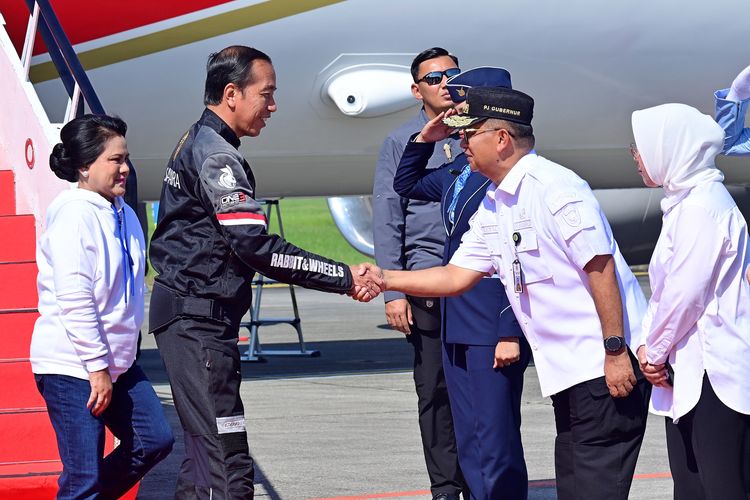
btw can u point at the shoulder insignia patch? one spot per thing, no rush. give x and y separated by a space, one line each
227 179
571 215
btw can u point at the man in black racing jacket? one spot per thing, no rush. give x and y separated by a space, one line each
210 240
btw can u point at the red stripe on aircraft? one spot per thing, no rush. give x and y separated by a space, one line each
84 20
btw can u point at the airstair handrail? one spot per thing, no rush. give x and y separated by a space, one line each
69 57
72 73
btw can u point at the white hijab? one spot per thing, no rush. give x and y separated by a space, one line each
678 145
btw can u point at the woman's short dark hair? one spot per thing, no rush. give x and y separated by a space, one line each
83 140
426 55
230 65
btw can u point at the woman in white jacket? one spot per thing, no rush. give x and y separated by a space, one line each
697 351
91 262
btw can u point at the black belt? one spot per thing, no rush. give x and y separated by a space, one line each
179 305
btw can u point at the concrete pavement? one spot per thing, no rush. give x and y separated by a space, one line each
344 425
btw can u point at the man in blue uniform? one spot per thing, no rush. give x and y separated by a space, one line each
731 107
408 234
485 354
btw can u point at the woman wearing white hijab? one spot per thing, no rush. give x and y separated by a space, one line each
697 351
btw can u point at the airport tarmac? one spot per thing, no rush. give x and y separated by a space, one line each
343 426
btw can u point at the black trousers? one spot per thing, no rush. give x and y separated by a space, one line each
203 366
598 439
435 419
709 451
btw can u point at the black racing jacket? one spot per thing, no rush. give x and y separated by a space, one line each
212 237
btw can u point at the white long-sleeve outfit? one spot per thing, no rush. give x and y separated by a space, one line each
698 317
91 261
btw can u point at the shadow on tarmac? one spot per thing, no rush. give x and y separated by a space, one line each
339 357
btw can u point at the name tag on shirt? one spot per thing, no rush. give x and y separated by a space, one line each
490 229
521 224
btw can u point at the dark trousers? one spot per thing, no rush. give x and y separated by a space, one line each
435 420
709 451
134 416
203 366
486 407
598 439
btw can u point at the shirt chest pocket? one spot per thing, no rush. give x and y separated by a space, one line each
533 266
494 246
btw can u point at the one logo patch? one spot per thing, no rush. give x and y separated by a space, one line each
232 199
227 179
571 215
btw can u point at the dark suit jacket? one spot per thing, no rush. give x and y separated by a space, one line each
482 315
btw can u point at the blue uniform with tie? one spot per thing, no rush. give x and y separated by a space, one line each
485 402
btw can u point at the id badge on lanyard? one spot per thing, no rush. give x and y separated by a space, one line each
517 272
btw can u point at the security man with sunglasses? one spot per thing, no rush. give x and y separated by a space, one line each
409 235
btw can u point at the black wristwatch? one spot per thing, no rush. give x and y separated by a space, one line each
614 344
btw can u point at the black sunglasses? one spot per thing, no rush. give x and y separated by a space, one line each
435 77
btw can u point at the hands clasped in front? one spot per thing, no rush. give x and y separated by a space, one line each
656 374
368 282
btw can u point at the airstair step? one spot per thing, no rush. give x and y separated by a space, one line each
7 193
18 286
30 480
22 394
18 234
15 334
27 436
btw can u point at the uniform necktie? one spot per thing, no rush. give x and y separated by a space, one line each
457 187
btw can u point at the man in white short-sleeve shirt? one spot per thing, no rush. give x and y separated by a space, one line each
541 229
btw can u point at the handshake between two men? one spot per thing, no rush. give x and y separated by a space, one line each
368 282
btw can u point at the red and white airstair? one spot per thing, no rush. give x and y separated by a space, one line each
29 461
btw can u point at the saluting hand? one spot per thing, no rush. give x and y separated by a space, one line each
740 88
435 130
101 391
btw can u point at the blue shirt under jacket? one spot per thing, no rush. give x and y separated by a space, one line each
731 116
482 315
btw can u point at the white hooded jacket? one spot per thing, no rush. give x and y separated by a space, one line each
698 317
90 289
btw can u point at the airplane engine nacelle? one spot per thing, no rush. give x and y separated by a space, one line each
370 89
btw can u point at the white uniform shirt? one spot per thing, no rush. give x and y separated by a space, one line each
562 229
699 314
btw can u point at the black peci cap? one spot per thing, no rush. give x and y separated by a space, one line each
494 102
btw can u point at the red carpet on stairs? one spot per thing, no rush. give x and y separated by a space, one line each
29 462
